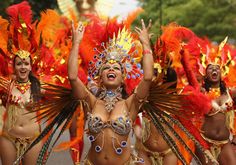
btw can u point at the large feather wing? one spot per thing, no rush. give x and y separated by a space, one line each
57 107
165 106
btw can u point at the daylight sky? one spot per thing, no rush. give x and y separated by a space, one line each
122 7
117 7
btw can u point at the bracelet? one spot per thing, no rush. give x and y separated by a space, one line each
147 51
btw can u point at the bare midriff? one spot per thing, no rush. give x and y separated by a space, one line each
24 126
214 127
107 155
155 142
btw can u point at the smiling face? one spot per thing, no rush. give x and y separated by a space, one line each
213 73
22 68
111 75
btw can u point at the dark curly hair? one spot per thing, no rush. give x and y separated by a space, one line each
207 84
171 76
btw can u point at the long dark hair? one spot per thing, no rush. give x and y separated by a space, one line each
35 84
207 85
170 76
35 87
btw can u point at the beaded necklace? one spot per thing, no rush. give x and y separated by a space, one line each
22 87
110 97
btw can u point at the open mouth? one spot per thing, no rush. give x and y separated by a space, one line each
22 72
111 76
214 75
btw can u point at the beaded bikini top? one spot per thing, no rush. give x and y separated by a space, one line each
121 126
224 107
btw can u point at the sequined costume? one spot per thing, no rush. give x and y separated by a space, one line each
14 108
19 43
121 126
20 143
225 108
133 160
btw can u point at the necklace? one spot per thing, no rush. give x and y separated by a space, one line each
110 97
214 93
22 87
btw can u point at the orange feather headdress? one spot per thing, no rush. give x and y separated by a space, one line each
21 40
216 55
168 46
18 37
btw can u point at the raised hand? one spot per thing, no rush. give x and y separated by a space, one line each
143 33
77 32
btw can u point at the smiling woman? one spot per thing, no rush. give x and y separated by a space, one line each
111 115
22 68
20 127
111 75
217 127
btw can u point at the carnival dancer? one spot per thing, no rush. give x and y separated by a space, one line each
151 145
213 63
111 115
218 124
20 127
168 48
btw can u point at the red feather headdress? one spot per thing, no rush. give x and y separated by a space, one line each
21 32
111 42
19 36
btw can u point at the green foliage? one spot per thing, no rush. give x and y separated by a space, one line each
212 18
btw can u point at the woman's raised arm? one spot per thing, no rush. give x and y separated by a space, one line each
144 36
142 91
78 88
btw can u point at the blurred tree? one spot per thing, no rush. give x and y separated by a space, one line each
37 6
214 19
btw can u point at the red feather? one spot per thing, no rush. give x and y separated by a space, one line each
194 131
97 32
20 13
196 103
189 73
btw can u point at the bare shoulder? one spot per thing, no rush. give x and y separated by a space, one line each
233 92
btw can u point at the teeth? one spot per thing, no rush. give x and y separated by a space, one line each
214 73
111 75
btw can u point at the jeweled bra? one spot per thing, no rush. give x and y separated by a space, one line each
121 126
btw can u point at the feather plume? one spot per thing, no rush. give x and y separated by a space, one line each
21 30
48 26
132 16
97 32
169 140
4 36
20 14
4 59
171 42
